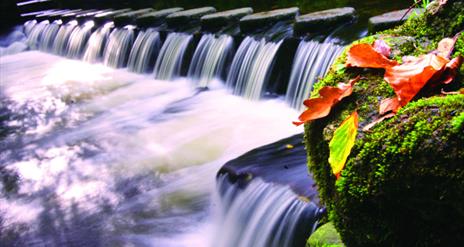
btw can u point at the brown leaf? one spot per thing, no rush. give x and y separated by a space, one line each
445 47
328 97
389 105
365 56
408 79
451 70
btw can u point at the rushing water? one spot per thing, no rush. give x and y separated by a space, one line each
312 61
169 62
103 157
118 47
145 51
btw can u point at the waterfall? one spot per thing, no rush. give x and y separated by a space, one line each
95 46
60 46
312 61
209 58
34 38
251 67
144 51
78 39
49 35
169 62
262 215
117 49
28 26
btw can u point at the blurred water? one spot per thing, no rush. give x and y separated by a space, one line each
93 156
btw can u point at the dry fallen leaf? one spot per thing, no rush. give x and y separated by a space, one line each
389 105
381 47
365 56
328 97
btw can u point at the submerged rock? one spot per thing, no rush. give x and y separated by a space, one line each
257 21
224 18
403 182
155 18
391 19
188 17
323 20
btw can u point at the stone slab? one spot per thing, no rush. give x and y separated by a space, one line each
258 20
155 18
127 18
391 19
323 20
224 18
188 17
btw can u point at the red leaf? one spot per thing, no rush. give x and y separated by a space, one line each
409 78
328 97
381 47
365 56
389 105
445 47
451 70
369 126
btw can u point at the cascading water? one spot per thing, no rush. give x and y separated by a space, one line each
60 46
28 26
144 52
251 67
209 58
78 40
262 215
96 45
34 38
312 61
118 47
49 35
169 61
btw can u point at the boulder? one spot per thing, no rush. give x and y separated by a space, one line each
324 236
155 18
391 19
256 21
224 18
128 18
188 17
323 20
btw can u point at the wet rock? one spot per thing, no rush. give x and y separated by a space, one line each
322 20
224 18
155 18
127 18
188 17
391 19
107 16
256 21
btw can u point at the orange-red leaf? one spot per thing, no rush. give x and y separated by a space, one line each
328 97
409 78
365 56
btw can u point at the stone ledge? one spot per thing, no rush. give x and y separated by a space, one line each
322 20
224 18
127 18
155 18
190 16
390 19
255 21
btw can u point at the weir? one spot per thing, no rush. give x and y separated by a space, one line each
259 210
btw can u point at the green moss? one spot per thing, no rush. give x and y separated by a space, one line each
402 178
325 236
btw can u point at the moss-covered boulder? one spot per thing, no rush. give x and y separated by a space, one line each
325 236
403 183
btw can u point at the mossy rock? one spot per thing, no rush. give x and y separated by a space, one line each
403 183
325 236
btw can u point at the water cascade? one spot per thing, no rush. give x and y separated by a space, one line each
78 40
144 51
60 46
118 47
209 58
169 61
28 26
262 215
251 67
96 44
34 38
312 61
49 35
